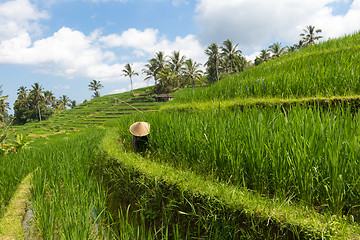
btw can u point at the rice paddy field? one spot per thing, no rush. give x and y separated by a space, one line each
269 153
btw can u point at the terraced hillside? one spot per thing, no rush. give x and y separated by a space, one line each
287 129
91 114
269 153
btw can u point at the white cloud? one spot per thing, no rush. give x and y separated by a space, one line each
253 23
148 42
70 53
19 17
132 38
121 90
252 56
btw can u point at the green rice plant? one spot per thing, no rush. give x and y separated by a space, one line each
207 208
306 154
327 69
13 168
67 201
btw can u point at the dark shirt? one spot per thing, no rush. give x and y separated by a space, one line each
140 144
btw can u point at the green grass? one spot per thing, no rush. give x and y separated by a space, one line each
252 130
306 154
13 169
189 198
66 200
11 225
323 70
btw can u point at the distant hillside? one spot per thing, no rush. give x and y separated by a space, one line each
327 69
91 113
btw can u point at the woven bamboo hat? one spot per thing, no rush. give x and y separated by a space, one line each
140 129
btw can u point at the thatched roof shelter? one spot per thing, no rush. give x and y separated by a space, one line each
164 97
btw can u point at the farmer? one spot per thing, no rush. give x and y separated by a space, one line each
140 141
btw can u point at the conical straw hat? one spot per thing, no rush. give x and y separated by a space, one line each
140 129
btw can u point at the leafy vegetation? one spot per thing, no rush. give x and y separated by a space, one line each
37 104
95 86
267 153
324 70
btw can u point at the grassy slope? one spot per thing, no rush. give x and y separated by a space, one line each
233 91
61 125
253 208
325 70
325 74
88 114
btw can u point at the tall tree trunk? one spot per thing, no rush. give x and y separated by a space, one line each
39 112
132 91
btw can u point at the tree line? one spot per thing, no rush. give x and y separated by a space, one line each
169 72
309 37
38 104
175 71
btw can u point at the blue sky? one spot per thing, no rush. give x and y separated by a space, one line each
64 44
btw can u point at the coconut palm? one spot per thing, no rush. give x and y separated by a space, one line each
37 94
230 53
277 50
167 80
151 70
300 45
22 93
73 104
64 102
129 72
191 71
176 62
309 36
95 86
160 61
214 60
290 49
263 57
49 98
4 106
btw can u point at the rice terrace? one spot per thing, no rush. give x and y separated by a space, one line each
269 150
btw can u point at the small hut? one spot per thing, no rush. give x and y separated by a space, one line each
164 97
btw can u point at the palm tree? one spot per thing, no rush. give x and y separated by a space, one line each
176 62
230 54
37 94
290 49
191 72
167 79
49 98
73 104
95 86
309 36
129 72
3 107
151 70
240 63
160 61
263 57
214 60
300 45
155 66
22 93
64 102
277 50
